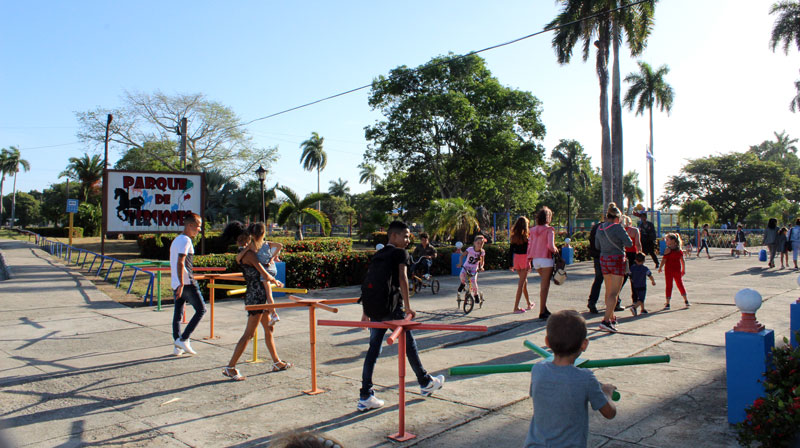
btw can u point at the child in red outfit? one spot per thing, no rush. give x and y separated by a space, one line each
674 267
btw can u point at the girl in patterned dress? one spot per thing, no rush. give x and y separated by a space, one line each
256 294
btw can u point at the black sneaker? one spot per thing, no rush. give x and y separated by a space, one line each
593 309
619 308
544 315
608 326
666 306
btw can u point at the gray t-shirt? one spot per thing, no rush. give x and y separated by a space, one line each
264 254
560 395
611 239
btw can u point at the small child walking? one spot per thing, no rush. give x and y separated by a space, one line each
639 275
674 267
561 391
780 245
474 263
518 259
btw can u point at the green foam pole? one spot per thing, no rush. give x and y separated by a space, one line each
616 362
538 350
487 369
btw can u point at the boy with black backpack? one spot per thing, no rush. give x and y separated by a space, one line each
385 285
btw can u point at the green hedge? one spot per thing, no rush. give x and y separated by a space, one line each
151 247
58 232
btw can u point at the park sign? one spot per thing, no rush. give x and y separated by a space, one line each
72 206
151 202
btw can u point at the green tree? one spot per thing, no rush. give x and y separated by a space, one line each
314 157
90 217
631 189
5 169
14 162
53 203
697 210
450 121
371 211
451 218
220 192
569 167
337 209
786 31
368 174
149 157
647 89
782 150
733 184
247 200
28 210
216 137
294 210
603 31
339 188
88 171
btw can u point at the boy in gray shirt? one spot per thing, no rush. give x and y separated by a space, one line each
561 391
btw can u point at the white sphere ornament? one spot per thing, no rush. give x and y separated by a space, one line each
567 240
748 300
459 244
378 246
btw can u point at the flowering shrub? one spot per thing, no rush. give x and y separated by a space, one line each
774 419
157 246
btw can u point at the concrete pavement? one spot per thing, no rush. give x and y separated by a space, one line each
78 369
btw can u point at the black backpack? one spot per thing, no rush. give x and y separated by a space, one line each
378 297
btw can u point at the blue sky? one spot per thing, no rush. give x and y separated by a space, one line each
260 57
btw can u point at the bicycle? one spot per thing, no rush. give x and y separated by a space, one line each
416 282
471 297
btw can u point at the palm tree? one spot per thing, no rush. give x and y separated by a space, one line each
368 174
339 188
220 192
5 168
313 156
601 31
294 210
450 218
647 89
696 211
787 26
14 162
631 189
568 157
795 104
88 171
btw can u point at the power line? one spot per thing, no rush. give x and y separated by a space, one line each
347 92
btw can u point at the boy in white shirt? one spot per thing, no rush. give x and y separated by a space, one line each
184 286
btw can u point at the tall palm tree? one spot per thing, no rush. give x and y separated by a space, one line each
631 189
601 31
647 89
88 171
635 23
5 168
568 157
313 156
294 210
220 191
15 161
786 29
368 174
450 218
339 188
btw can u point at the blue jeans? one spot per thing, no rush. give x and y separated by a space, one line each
191 294
426 263
375 346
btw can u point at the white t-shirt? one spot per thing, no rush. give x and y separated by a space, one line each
182 245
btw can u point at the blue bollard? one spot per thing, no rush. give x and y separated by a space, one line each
747 356
453 263
568 254
794 326
662 246
762 255
281 267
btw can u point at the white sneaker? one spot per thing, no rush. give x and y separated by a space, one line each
427 276
177 351
274 318
436 383
185 346
372 402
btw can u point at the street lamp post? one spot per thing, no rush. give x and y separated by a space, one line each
262 177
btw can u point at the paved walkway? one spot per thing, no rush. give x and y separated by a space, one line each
78 369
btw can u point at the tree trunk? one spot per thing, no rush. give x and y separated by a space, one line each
652 163
605 153
616 120
2 179
14 198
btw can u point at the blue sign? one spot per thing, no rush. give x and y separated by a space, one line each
72 206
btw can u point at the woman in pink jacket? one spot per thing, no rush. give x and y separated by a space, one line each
541 247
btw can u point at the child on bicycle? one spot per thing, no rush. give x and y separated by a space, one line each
424 253
475 256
